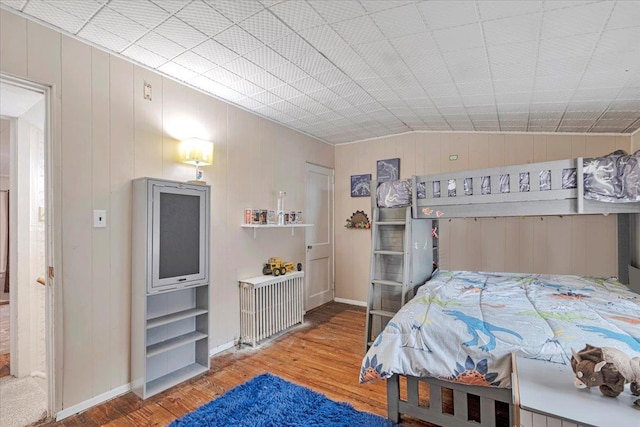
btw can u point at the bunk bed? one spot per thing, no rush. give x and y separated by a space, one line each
471 354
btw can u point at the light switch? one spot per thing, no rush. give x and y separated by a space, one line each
99 219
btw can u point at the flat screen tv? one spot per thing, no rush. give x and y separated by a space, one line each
179 236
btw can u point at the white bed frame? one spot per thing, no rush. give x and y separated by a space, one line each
556 201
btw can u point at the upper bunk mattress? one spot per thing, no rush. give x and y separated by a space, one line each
462 326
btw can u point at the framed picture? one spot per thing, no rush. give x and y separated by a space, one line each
388 170
361 185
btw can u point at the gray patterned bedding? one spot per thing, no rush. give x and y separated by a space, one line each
613 178
462 326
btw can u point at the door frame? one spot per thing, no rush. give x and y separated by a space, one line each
50 236
308 167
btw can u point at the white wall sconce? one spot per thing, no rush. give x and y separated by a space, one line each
198 152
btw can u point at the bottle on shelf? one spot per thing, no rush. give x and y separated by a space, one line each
281 197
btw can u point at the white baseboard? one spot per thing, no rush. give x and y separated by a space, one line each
219 349
351 302
101 398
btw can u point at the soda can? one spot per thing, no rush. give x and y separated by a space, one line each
248 216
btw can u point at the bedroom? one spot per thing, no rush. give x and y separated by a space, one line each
100 100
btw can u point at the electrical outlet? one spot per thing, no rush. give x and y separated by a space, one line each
147 91
453 157
99 219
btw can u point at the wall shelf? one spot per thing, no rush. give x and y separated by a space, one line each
257 226
174 317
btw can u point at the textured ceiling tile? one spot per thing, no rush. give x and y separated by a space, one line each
558 48
204 18
246 88
359 30
266 58
207 85
504 55
286 91
236 10
400 21
48 12
171 6
289 72
177 71
331 77
307 85
265 27
144 13
106 39
358 69
160 45
377 5
443 13
15 4
266 97
144 56
215 52
583 19
114 22
194 62
568 67
299 15
313 63
459 38
503 9
420 45
511 30
467 66
625 14
242 67
238 40
222 75
292 46
265 80
337 10
181 33
623 40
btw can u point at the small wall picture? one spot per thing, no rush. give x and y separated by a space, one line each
361 185
388 170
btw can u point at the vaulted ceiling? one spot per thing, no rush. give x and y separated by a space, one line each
346 70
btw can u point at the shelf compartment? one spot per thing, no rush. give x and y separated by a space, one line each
257 226
174 317
171 343
174 378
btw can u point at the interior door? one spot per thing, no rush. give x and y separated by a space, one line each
319 271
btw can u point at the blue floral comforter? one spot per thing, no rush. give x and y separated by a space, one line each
462 326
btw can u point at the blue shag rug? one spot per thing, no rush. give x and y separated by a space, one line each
270 401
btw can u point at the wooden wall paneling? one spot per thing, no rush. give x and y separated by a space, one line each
579 245
43 53
13 44
177 125
558 147
407 154
445 151
432 149
459 145
493 243
457 248
600 145
540 245
266 192
342 203
559 244
77 219
578 146
623 142
421 153
361 247
479 151
121 171
540 148
602 250
512 244
496 150
100 239
148 145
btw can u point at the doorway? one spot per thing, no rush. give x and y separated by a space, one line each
319 276
26 384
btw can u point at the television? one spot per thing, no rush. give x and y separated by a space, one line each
177 233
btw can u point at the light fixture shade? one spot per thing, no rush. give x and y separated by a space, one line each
196 151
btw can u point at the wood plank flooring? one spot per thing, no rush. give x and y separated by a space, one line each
323 354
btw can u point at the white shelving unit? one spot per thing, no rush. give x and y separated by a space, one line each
258 226
169 310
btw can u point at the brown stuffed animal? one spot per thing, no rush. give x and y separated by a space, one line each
606 367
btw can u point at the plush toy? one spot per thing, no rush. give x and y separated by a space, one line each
608 368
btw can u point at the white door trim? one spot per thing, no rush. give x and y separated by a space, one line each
310 167
50 238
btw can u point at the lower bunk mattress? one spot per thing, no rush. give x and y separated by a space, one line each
462 326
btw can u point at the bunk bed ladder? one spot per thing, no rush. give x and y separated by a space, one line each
389 284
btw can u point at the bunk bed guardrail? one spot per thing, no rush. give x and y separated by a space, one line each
493 200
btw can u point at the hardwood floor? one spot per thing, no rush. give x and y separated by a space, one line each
324 354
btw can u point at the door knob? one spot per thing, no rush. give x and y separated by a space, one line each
309 247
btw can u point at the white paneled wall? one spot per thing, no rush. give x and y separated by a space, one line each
635 146
571 245
104 135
